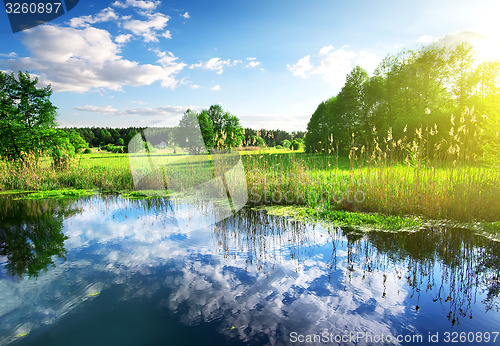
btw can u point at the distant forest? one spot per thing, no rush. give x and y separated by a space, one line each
102 136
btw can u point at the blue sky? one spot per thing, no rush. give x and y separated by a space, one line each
143 63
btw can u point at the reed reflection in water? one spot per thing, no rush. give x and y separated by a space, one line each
252 278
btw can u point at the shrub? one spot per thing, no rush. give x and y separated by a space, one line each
295 145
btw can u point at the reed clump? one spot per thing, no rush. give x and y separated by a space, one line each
415 174
39 173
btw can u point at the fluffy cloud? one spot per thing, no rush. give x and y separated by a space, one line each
186 15
215 88
252 62
424 39
105 15
486 45
287 122
140 4
302 67
167 34
86 59
8 55
99 110
141 111
121 39
216 64
149 28
334 64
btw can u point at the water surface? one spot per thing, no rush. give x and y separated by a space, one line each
105 270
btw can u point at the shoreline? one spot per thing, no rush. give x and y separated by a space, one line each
355 221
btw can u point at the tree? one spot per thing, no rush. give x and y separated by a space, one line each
188 134
26 115
228 132
346 116
77 141
319 135
258 141
295 145
207 128
287 144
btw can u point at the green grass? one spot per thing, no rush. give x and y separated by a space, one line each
55 194
322 184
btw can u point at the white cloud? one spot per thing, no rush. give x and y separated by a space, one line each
121 39
285 122
302 67
486 45
141 111
148 28
86 59
97 109
252 62
167 34
215 88
105 15
186 15
216 64
457 38
8 55
425 39
325 50
194 86
333 65
141 4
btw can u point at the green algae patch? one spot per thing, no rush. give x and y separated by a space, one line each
55 194
138 195
347 219
365 222
489 230
147 194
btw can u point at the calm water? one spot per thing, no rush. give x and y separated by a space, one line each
104 270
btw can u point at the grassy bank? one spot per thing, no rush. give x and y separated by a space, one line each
439 191
319 182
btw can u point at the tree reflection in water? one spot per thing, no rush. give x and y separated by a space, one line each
449 265
31 234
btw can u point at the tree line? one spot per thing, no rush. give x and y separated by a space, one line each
435 89
225 123
28 127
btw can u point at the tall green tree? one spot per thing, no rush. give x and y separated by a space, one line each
207 128
188 135
347 116
228 132
317 129
26 115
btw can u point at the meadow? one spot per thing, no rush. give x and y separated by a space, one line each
319 182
